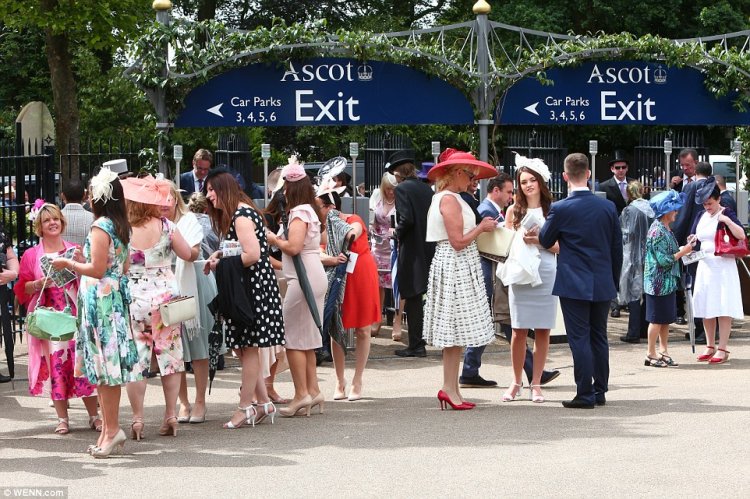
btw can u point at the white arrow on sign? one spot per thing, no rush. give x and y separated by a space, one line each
216 110
532 108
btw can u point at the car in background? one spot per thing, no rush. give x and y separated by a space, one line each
725 166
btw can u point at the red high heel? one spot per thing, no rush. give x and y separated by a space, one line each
445 399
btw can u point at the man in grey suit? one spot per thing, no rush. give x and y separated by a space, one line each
78 220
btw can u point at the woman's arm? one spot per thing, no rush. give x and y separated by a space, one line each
454 224
181 248
295 238
510 216
10 272
99 255
737 230
245 229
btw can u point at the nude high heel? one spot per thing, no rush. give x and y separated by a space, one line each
319 400
116 445
293 409
514 391
169 427
136 429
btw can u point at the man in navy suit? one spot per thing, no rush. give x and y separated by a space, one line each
588 272
726 200
192 181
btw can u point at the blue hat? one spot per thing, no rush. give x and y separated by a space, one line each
667 201
422 173
703 192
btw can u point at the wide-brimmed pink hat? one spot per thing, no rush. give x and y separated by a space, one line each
148 190
451 157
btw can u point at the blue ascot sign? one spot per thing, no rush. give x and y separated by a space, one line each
617 93
324 91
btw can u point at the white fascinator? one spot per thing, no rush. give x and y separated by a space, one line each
534 164
101 185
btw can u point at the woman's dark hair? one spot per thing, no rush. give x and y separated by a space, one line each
331 199
115 210
273 210
522 204
716 193
230 196
301 192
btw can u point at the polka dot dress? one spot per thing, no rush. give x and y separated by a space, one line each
269 323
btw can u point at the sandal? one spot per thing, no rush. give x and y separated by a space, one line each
707 356
95 423
668 360
62 426
652 362
719 360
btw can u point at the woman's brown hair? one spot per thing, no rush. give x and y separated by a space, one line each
299 193
522 204
140 213
229 195
114 208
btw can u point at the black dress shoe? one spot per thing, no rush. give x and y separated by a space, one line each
548 376
601 400
406 352
680 321
628 339
476 382
577 403
615 313
5 379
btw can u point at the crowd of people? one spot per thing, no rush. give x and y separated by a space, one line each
161 285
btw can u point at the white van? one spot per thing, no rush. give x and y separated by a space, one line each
725 166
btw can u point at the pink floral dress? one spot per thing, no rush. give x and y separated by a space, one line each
51 363
151 284
381 242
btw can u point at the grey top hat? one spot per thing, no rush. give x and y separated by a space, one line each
116 165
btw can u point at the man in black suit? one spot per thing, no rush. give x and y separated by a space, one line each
413 199
192 181
688 162
588 273
726 200
616 187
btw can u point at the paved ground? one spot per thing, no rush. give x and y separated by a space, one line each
664 432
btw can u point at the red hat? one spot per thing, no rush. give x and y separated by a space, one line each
451 157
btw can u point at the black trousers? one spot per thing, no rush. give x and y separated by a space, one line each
414 308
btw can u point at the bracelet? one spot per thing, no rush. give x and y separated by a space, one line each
73 266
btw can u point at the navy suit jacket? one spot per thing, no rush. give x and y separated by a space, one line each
487 209
728 201
689 212
590 259
187 183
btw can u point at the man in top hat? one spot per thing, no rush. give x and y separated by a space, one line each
616 187
413 199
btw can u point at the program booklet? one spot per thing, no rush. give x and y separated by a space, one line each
59 277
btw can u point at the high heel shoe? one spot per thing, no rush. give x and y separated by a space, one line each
269 411
198 419
536 398
136 429
707 356
168 427
719 360
251 414
95 423
62 427
116 445
185 419
292 409
514 391
318 400
355 394
445 400
340 394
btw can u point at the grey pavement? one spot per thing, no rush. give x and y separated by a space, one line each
664 432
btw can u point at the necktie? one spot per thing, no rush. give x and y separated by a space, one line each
689 180
624 189
200 185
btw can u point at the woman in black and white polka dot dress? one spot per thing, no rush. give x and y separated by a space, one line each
235 219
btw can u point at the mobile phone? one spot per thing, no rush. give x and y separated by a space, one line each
393 221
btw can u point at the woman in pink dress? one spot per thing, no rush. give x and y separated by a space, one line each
51 362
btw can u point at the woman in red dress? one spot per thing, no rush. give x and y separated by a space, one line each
361 305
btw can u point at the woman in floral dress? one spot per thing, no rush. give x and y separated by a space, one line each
51 362
105 352
152 283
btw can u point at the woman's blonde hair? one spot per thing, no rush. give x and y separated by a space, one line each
51 211
445 179
197 203
180 206
386 182
635 190
140 213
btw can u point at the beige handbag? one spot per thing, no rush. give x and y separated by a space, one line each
177 310
495 245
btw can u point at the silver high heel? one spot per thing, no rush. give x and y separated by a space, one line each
269 411
116 445
513 393
251 413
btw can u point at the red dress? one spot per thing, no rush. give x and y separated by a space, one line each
361 305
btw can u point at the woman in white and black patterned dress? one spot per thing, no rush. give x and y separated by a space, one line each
457 313
235 218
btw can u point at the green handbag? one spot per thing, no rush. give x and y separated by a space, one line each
49 324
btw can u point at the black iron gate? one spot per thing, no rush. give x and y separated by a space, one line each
378 148
648 163
546 145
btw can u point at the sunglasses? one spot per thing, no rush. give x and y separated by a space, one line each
620 167
469 174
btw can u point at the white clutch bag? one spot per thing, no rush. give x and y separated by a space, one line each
495 245
176 310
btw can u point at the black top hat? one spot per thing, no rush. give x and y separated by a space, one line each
399 158
619 158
